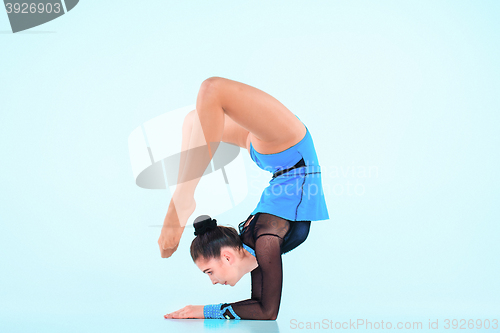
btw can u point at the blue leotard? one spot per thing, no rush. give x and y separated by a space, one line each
296 195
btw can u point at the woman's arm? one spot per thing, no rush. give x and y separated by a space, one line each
256 307
267 282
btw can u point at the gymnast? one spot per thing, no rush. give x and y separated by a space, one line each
278 142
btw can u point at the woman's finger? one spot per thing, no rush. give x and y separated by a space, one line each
183 313
171 314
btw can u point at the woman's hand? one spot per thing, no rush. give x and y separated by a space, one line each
189 311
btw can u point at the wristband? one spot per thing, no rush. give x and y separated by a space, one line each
219 311
231 314
213 311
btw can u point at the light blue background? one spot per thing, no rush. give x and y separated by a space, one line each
408 87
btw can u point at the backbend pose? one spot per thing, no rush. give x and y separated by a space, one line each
236 113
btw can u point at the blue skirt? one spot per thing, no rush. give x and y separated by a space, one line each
294 193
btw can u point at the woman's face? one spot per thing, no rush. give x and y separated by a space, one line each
224 270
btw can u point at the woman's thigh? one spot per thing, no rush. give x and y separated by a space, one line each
267 123
232 132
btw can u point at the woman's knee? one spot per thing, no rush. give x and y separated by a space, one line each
190 116
208 100
210 87
189 119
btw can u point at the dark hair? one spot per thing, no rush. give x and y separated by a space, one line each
210 238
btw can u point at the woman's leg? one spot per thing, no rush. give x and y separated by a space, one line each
172 229
194 153
232 111
273 128
229 111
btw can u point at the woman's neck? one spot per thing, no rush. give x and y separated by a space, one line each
248 262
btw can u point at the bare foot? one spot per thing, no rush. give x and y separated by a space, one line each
174 224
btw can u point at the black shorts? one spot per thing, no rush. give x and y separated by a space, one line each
296 234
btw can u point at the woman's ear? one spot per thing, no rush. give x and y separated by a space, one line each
227 256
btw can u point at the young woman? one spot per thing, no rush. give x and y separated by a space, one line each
278 142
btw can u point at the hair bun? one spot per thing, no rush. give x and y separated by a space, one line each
203 223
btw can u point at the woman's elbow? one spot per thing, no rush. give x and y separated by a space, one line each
271 316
